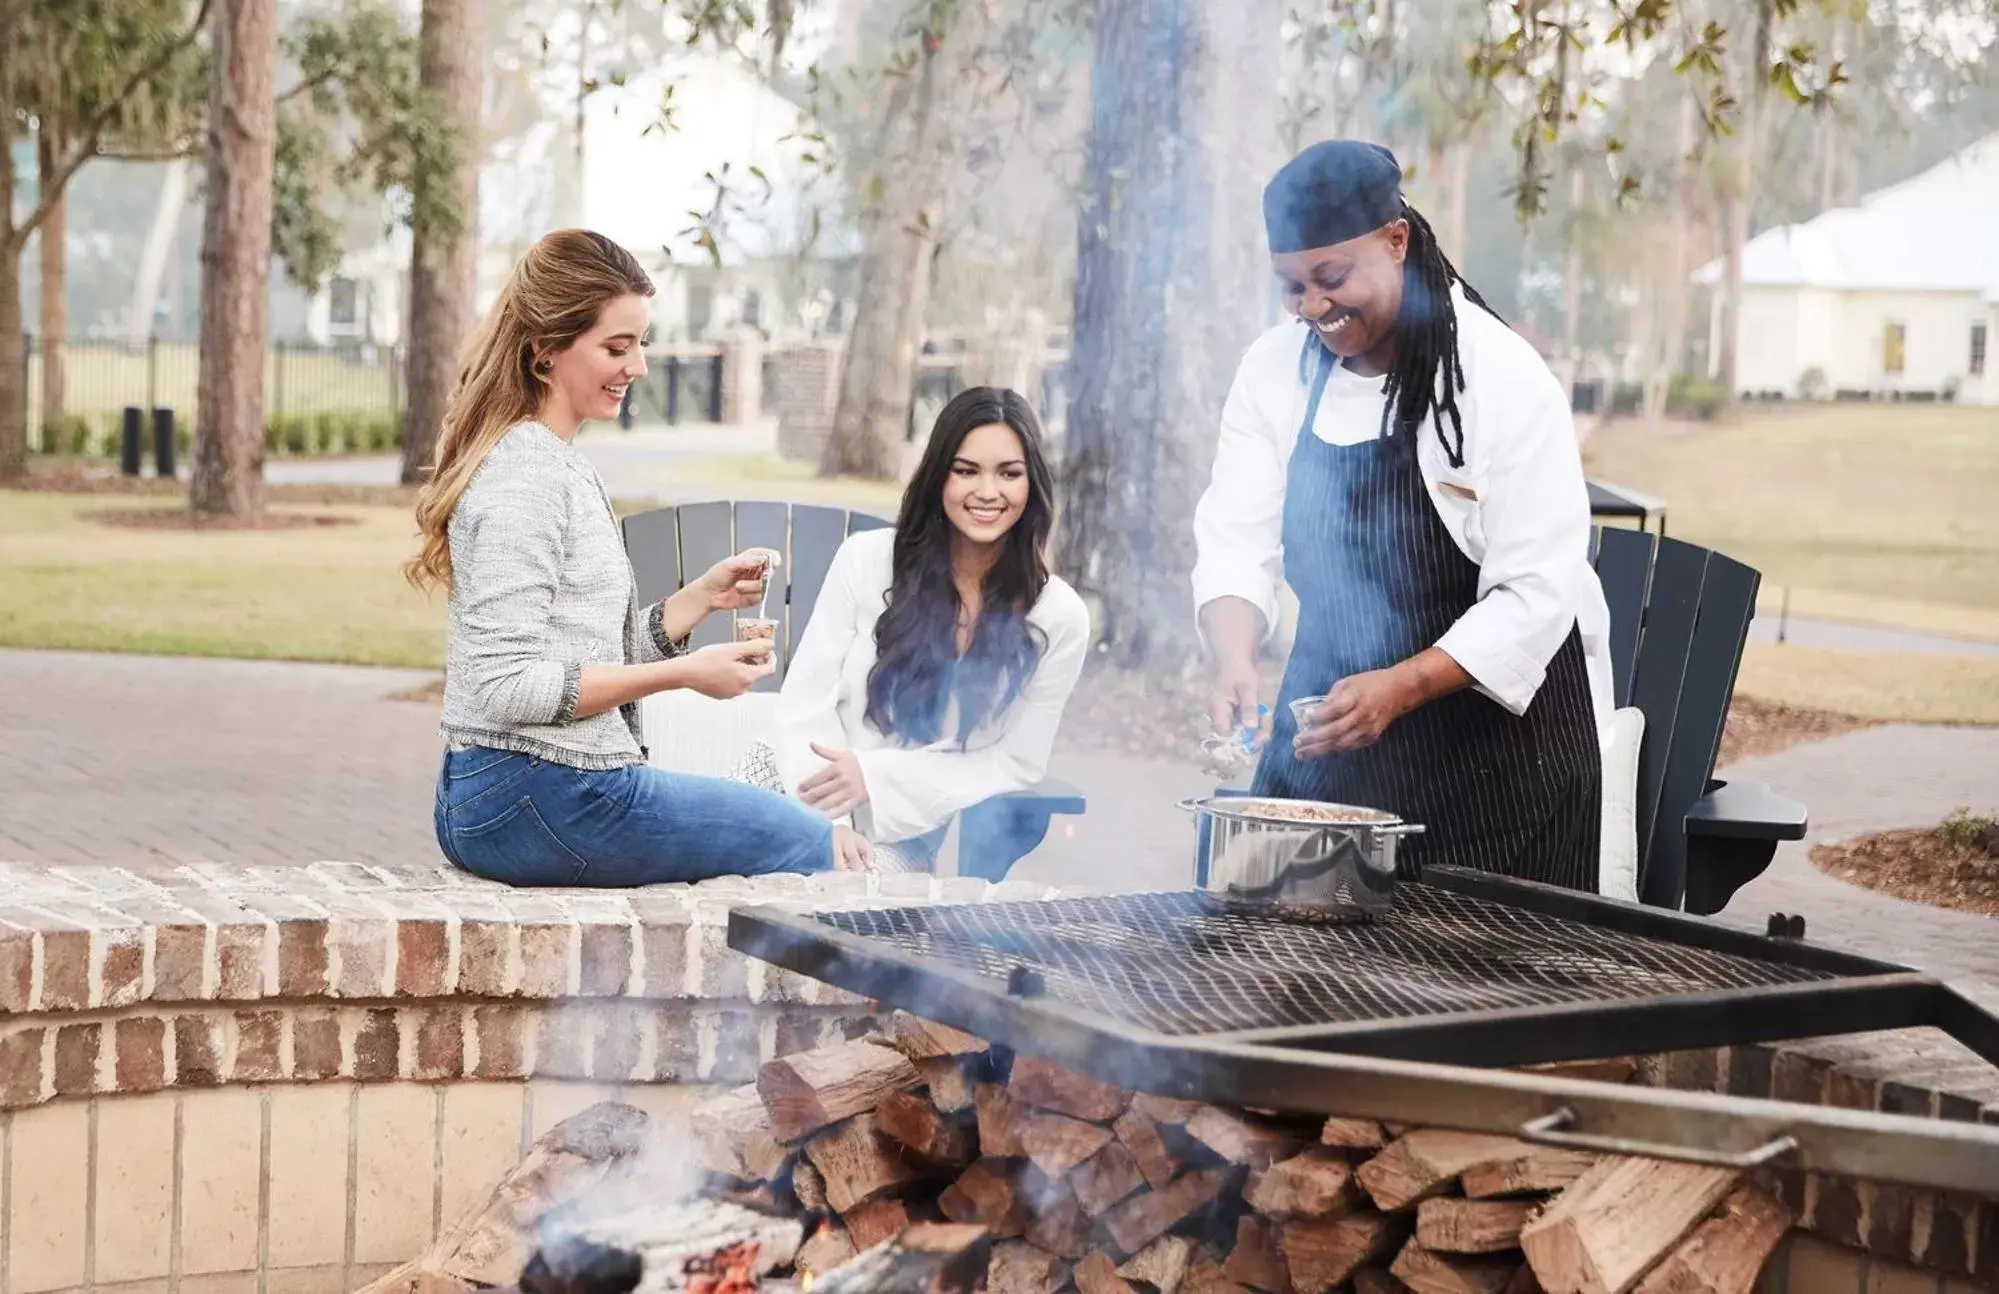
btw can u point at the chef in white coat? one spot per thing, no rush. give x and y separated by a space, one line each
1408 465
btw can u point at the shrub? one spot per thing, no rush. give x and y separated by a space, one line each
1627 398
66 434
1688 396
1813 384
1968 830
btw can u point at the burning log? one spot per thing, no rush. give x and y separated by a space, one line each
1373 1280
814 1089
1316 1184
912 1121
695 1247
1535 1170
1425 1272
1472 1226
1726 1253
928 1258
1205 1275
1051 1087
1618 1220
1165 1109
1425 1162
1019 1268
829 1246
858 1163
808 1187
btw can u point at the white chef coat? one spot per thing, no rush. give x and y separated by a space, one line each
914 790
1518 507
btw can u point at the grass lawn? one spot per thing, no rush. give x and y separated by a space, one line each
1873 513
332 593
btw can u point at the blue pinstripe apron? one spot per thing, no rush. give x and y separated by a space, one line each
1378 579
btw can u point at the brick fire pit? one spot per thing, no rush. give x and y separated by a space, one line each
292 1079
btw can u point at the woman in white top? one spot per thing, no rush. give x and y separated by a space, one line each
934 669
1408 463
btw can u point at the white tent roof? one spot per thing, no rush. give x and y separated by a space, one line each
1937 232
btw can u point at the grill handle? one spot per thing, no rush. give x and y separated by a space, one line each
1548 1131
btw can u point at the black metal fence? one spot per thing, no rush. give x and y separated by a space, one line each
306 388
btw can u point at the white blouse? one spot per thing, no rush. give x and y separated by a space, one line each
914 790
1518 507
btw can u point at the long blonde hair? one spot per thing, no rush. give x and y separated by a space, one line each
553 297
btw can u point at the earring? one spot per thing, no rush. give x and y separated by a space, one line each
545 366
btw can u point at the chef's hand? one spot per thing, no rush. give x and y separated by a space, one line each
737 582
837 789
1355 713
1233 705
851 851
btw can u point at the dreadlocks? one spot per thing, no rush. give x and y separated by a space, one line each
1426 338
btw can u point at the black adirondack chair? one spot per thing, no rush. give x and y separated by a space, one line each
669 545
1679 617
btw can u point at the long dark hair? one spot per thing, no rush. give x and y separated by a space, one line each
1426 329
917 668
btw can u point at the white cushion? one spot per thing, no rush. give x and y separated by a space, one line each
1617 871
690 733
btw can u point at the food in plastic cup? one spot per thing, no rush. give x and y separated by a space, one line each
756 629
1301 709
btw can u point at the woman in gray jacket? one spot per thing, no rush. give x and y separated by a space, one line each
548 652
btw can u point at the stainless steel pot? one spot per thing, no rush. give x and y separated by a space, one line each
1298 859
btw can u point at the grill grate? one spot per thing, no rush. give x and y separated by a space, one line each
1178 965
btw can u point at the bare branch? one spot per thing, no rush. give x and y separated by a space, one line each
50 188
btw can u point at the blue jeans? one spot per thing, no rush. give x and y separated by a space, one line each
526 821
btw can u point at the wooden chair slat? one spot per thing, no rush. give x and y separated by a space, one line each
1624 567
1658 680
768 525
816 534
652 539
707 535
1721 629
859 521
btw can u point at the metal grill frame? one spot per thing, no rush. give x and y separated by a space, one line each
1444 1069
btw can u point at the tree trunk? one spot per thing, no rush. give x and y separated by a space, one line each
1169 274
444 260
55 279
1739 203
1673 342
1456 225
1572 285
878 375
13 362
236 258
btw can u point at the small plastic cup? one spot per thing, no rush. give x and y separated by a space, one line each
756 629
1301 710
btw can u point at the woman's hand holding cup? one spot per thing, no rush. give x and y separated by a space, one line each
727 670
737 582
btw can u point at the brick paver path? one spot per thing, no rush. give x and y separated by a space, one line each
153 762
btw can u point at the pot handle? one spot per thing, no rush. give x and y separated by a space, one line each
1401 829
1548 1131
1192 804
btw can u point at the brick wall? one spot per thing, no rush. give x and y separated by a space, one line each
279 1079
805 389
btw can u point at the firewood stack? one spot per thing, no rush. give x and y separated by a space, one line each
1078 1185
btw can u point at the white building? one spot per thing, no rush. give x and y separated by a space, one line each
1897 297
